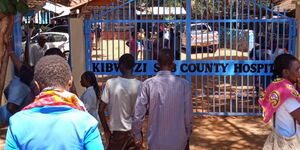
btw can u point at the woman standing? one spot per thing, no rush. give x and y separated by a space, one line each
282 102
90 97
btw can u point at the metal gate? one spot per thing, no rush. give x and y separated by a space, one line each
225 48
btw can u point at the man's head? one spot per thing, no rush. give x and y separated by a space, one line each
53 71
42 39
126 63
166 59
54 51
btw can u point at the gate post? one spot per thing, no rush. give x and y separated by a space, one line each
77 51
188 33
297 3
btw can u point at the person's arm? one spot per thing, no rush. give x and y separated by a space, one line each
102 105
296 114
10 141
139 114
15 60
86 98
93 140
16 97
292 106
32 52
188 109
103 120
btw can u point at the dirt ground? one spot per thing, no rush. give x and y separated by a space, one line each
219 133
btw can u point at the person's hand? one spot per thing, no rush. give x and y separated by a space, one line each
107 135
138 142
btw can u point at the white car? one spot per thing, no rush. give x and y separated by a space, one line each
54 40
202 35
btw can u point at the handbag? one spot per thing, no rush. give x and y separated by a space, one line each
275 141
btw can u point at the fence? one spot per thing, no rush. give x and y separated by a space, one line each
225 48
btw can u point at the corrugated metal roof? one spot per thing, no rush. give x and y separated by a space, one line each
287 5
56 8
162 11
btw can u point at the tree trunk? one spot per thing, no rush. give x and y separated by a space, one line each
6 24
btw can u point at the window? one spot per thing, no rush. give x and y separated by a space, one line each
56 38
63 29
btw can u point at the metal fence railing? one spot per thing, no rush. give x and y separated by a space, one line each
225 48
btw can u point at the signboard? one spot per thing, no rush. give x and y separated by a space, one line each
216 67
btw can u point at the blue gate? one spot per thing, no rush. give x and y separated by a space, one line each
225 48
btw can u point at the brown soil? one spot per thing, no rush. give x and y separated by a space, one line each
219 132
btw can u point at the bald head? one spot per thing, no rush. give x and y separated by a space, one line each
165 58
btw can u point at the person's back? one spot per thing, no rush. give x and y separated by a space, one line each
56 119
167 94
42 125
168 100
121 94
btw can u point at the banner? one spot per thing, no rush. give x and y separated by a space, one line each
223 67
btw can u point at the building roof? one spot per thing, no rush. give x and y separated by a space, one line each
33 4
162 11
56 8
287 5
92 3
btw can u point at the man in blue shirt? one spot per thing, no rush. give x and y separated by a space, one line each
17 93
56 119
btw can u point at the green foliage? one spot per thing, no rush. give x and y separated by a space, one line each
22 7
13 6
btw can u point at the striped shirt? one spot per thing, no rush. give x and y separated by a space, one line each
169 102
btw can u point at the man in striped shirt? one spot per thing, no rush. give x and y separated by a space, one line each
169 102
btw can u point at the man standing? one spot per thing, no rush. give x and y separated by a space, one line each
168 100
37 51
56 119
18 92
121 94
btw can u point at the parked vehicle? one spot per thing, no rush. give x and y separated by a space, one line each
60 28
54 39
277 34
202 35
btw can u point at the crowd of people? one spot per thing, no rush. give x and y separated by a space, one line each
44 111
146 46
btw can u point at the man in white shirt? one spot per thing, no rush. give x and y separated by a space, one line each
37 51
121 94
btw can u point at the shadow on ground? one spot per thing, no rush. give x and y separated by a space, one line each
242 132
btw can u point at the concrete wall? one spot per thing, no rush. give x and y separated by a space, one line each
77 51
